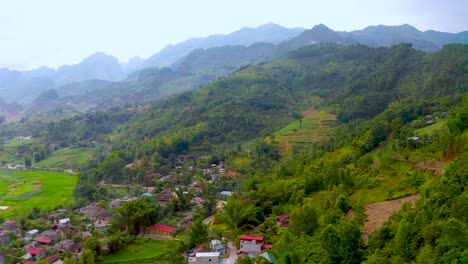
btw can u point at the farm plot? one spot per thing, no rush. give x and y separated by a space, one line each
23 190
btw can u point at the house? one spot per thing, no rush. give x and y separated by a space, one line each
166 195
31 233
64 221
54 260
67 245
101 225
53 235
43 241
184 158
283 220
10 225
116 203
66 230
251 245
205 258
37 253
226 194
4 238
163 229
91 211
217 246
103 215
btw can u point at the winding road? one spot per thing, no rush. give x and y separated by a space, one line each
232 258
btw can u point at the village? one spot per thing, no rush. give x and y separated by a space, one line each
63 233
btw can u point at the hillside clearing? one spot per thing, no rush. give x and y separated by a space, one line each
378 213
316 126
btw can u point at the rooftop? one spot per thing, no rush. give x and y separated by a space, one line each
164 228
207 254
35 251
256 238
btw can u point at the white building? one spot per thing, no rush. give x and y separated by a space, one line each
205 258
251 244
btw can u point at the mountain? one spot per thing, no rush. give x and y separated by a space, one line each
98 80
356 82
97 66
381 35
133 64
270 33
225 59
318 34
24 86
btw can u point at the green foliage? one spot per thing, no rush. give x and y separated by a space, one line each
133 216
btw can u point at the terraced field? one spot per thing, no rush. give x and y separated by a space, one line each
316 126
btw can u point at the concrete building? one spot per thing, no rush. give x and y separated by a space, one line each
205 258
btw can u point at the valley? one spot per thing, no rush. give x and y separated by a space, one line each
266 145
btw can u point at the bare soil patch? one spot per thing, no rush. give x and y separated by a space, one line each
430 165
37 186
378 213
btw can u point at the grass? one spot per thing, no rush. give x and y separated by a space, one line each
316 126
66 158
14 143
431 129
23 190
142 251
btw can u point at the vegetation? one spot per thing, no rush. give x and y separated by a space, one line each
391 122
24 190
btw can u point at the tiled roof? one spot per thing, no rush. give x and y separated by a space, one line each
45 240
164 228
35 251
256 238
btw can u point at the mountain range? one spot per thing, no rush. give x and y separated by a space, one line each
100 81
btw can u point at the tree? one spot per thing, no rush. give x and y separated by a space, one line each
69 261
133 216
27 160
198 232
88 257
304 219
239 214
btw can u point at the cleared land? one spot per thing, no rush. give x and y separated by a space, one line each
378 213
316 126
142 251
66 158
23 190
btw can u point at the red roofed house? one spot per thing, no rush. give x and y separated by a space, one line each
163 229
37 253
10 225
44 240
251 244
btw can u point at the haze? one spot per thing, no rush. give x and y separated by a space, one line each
54 33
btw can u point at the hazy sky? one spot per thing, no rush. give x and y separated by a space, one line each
57 32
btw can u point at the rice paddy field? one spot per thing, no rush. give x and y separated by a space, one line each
21 190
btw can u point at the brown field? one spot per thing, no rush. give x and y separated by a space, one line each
379 213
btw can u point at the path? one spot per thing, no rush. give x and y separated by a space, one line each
378 213
232 259
208 220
